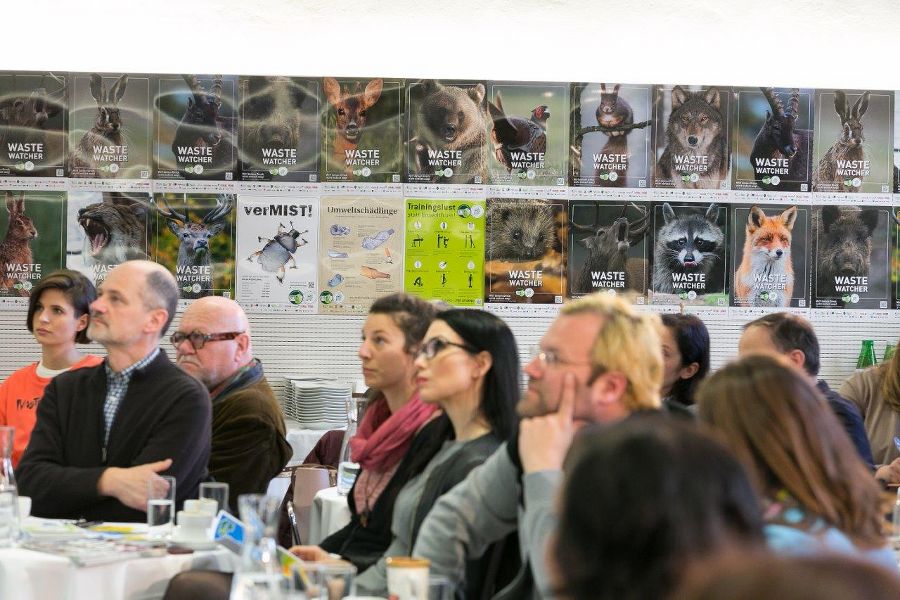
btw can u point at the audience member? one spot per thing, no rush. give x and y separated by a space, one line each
685 351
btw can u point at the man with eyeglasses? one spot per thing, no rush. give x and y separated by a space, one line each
598 362
248 433
103 433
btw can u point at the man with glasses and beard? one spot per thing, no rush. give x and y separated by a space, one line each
248 443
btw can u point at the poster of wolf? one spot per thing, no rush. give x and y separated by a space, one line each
611 135
110 126
33 124
769 247
32 245
528 125
194 239
446 132
525 254
852 149
195 127
691 136
362 129
279 128
773 139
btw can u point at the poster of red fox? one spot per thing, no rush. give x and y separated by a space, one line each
33 223
33 124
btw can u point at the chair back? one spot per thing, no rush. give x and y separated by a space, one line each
308 481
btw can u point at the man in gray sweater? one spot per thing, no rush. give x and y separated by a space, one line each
599 361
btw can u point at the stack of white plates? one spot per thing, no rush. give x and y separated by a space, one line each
317 403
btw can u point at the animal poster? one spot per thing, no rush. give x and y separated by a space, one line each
194 239
33 124
110 126
105 229
690 254
525 255
360 252
770 249
445 250
853 141
447 132
895 253
773 139
279 129
362 129
852 257
691 136
528 133
896 170
611 135
32 245
276 244
195 127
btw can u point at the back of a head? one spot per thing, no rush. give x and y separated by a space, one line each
692 339
410 313
792 332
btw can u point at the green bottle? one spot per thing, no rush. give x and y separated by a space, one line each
866 355
888 353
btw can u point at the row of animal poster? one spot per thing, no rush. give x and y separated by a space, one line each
131 126
336 254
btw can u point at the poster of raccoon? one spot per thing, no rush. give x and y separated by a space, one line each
691 136
32 246
33 124
362 129
528 133
276 244
690 247
195 127
773 139
194 239
853 141
608 247
770 248
279 128
447 132
852 257
110 126
105 229
610 130
525 258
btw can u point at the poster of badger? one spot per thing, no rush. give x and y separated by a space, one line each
610 130
528 133
525 254
608 244
105 229
110 126
852 149
770 248
279 128
773 139
194 239
852 257
446 132
690 248
33 124
691 136
195 127
32 244
276 243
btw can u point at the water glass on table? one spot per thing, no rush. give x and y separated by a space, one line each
160 506
331 580
215 490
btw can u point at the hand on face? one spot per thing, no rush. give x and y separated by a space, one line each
545 440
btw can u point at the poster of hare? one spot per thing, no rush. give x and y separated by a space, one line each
33 223
33 124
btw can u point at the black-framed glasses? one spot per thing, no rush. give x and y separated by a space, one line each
199 339
434 346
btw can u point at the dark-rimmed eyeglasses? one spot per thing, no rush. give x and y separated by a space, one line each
434 346
199 339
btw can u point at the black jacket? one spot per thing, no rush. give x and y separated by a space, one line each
849 416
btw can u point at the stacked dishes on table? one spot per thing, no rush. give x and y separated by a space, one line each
317 403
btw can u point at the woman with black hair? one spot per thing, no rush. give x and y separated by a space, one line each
685 348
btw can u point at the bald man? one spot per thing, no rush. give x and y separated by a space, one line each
103 433
248 443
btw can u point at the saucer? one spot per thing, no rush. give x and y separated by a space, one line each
194 543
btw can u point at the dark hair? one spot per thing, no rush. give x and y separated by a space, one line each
791 332
692 339
77 289
484 331
642 500
164 289
410 313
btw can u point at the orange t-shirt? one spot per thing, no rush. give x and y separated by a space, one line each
19 398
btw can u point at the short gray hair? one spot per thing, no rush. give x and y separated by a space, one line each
161 291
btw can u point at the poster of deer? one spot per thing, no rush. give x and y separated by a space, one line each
196 118
277 243
772 139
194 239
33 223
110 126
611 135
279 128
33 124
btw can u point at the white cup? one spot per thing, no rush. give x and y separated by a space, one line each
24 507
194 526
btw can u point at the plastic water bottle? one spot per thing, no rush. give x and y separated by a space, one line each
866 356
347 469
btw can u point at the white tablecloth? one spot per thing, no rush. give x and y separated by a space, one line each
302 441
329 513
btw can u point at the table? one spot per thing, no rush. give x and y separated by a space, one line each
329 513
302 441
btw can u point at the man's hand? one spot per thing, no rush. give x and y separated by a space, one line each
129 486
889 472
310 553
544 441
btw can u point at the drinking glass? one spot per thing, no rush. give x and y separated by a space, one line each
331 580
160 506
439 588
215 490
